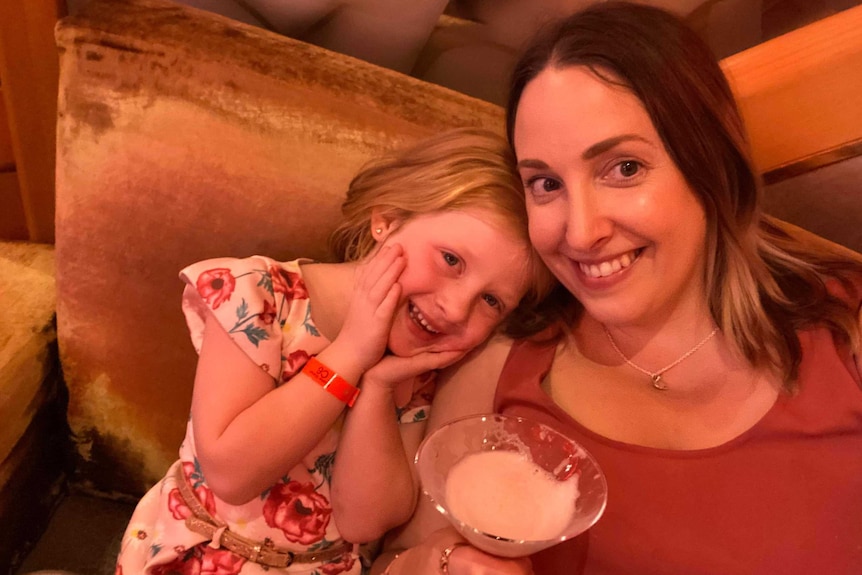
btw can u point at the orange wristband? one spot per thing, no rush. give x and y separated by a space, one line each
331 381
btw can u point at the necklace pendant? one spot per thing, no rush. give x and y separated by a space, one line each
658 383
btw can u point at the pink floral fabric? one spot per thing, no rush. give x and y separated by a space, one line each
264 306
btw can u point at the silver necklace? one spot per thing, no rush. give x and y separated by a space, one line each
655 376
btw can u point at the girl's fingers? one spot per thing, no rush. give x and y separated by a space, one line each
386 308
377 276
374 266
393 369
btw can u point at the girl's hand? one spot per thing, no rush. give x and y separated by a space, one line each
375 296
392 369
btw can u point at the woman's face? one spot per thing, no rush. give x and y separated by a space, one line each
610 213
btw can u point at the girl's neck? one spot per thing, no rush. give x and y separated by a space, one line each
329 289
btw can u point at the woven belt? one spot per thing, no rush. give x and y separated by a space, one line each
217 532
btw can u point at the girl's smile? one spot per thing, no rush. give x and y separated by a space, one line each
464 274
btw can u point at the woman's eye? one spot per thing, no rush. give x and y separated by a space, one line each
491 300
542 185
451 259
628 168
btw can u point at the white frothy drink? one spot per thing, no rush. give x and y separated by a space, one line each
503 493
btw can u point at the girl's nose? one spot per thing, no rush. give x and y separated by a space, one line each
588 224
455 302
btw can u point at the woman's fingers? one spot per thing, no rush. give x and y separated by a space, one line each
468 560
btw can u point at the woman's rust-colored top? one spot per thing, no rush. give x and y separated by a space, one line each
784 497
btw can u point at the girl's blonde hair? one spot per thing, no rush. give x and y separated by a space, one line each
464 168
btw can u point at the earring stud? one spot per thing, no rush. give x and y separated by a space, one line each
378 231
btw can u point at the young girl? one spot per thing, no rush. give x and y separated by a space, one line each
434 256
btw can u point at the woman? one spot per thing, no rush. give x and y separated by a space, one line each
708 358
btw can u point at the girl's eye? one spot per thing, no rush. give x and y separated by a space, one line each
451 259
491 300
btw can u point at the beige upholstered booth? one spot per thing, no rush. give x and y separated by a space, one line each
182 135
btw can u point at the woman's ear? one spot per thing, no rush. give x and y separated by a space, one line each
382 224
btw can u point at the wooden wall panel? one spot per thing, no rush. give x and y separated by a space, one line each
800 95
29 70
12 223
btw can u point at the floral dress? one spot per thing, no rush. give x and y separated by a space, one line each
264 306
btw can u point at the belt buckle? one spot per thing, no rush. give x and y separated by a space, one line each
289 556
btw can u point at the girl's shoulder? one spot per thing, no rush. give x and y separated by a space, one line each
263 304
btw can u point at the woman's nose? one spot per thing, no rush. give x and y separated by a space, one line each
588 224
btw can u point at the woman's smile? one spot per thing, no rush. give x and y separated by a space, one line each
609 212
609 266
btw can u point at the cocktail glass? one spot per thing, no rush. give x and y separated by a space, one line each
558 455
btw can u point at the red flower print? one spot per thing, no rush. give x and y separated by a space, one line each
298 510
206 497
267 316
345 563
215 286
293 363
176 504
288 283
220 562
187 564
178 508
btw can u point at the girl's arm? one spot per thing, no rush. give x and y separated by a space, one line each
466 388
248 432
374 485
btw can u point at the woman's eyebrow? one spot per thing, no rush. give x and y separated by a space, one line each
535 164
610 143
596 149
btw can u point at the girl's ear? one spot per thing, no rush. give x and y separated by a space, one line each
382 224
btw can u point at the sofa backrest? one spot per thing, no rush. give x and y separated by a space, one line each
181 136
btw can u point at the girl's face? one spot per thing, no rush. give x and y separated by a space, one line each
610 213
464 274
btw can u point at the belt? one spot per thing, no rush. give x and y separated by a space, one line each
201 522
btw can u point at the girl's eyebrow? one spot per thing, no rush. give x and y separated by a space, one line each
596 149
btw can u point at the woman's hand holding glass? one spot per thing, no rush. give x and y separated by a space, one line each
425 558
